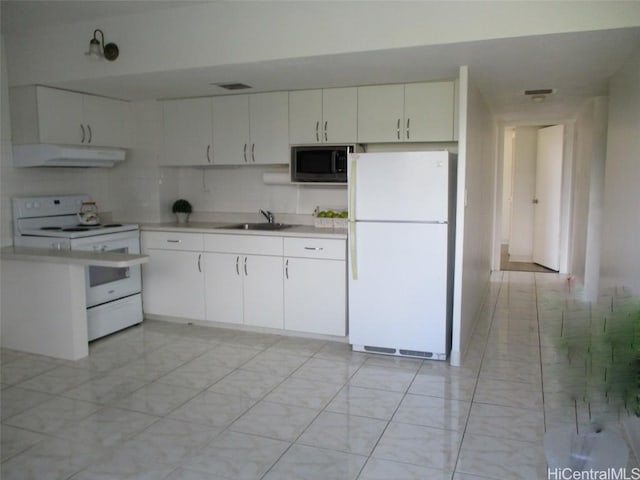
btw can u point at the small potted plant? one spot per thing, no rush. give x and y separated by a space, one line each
182 208
600 344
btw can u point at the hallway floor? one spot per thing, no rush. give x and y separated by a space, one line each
509 266
168 401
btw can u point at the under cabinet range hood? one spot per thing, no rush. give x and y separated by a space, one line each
51 155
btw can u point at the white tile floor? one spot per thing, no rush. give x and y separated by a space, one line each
168 401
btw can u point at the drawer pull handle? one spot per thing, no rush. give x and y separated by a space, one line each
286 269
314 248
237 262
246 274
174 241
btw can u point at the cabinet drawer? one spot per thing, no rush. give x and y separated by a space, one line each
243 244
171 240
315 248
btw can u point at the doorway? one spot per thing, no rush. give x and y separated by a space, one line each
532 198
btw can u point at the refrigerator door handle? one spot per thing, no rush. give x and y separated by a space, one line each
352 191
353 251
352 219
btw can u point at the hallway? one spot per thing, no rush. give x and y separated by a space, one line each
182 402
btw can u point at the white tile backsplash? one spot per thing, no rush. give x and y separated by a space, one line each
242 189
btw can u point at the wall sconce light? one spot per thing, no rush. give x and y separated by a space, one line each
98 49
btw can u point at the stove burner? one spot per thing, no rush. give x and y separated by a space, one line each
51 228
75 229
112 225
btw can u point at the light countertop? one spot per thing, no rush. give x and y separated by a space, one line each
96 259
218 228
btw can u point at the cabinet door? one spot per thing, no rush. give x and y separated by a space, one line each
269 127
340 115
428 112
187 132
263 291
173 284
315 296
232 144
60 116
380 113
305 117
106 121
223 287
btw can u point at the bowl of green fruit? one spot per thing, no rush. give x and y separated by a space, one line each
334 217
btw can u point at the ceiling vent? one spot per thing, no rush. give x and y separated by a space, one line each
540 91
539 95
232 86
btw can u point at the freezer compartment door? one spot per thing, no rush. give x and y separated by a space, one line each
403 187
398 286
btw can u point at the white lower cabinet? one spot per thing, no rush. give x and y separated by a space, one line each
263 291
315 286
243 280
223 287
244 289
314 296
296 284
172 281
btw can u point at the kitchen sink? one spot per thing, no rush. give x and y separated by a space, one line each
258 226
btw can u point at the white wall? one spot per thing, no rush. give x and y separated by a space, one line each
588 189
621 223
524 181
221 33
474 222
507 183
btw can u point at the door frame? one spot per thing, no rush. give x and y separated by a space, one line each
567 189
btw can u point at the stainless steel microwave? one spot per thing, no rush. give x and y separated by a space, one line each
320 163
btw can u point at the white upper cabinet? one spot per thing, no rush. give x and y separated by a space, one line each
323 116
187 132
251 129
48 115
269 127
428 111
380 113
305 116
231 130
419 112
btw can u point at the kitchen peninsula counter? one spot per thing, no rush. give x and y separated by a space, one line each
75 257
43 304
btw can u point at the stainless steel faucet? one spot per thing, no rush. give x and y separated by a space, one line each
268 215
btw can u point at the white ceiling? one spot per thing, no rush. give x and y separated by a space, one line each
576 65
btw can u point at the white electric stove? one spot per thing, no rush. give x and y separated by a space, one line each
114 298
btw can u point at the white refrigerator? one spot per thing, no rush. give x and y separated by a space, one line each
401 234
